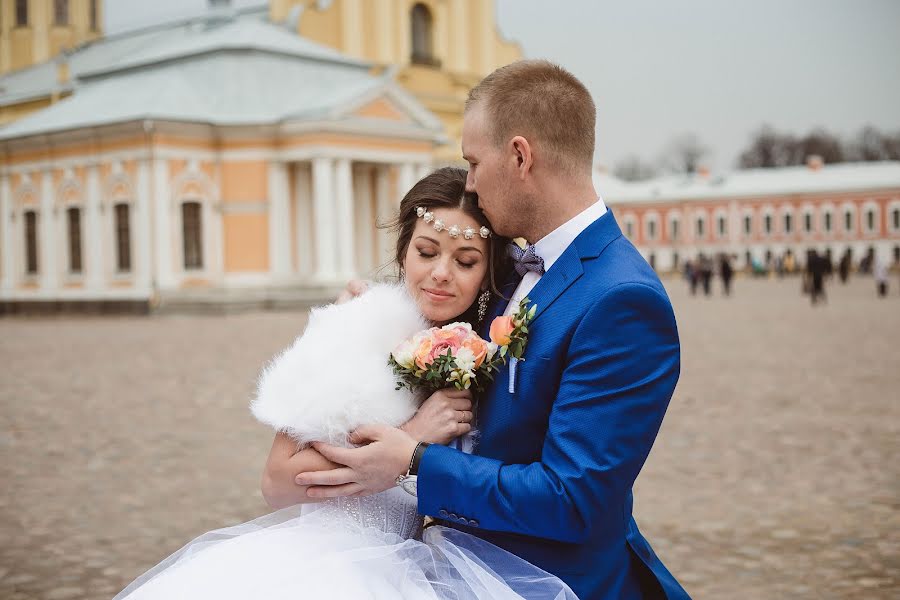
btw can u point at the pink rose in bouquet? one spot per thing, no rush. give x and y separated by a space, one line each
452 355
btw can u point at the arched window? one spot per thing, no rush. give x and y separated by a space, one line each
22 14
767 224
651 227
807 222
895 219
700 227
722 226
748 224
192 229
422 38
673 229
61 12
828 222
31 242
73 225
870 220
123 238
848 220
788 223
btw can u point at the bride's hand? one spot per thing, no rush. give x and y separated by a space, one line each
355 288
444 416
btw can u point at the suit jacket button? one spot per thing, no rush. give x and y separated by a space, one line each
473 523
442 513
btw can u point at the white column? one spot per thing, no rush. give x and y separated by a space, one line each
364 220
422 170
344 207
352 27
459 46
47 264
384 32
279 220
407 179
385 207
166 236
323 211
93 238
441 33
304 215
141 242
7 239
486 29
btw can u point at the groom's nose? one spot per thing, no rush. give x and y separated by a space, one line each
470 182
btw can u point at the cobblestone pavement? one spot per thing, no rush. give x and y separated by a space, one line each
775 474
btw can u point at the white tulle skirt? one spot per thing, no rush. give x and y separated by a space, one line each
291 555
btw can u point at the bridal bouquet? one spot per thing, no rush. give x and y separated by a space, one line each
455 355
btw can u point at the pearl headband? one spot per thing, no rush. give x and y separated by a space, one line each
454 230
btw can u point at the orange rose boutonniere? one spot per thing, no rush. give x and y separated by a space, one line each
511 333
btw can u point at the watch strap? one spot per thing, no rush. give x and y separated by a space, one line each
417 458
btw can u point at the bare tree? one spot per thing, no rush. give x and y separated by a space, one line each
683 154
870 144
820 143
768 148
632 168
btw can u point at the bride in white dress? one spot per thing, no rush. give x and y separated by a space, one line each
332 380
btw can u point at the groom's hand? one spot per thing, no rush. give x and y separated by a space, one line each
369 469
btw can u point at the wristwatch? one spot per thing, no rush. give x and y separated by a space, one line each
408 480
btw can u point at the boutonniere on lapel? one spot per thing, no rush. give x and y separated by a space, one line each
510 333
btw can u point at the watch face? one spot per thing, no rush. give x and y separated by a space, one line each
408 485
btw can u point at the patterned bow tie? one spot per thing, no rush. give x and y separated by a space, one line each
526 260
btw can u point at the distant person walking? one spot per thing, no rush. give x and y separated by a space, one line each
844 266
706 272
815 271
692 274
726 271
880 271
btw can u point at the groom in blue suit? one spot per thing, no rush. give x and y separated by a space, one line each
565 431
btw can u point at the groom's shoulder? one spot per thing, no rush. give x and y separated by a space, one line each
621 268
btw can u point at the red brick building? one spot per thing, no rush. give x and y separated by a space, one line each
759 215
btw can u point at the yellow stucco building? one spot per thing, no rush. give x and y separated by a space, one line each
230 158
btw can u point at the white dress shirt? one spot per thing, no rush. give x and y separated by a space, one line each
551 246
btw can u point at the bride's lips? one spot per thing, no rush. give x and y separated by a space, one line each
437 295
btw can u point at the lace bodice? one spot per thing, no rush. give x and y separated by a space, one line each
392 511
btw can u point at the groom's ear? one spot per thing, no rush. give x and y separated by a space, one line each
522 153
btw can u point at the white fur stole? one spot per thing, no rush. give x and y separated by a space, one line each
335 376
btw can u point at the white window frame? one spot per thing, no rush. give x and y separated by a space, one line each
851 208
893 206
674 216
867 207
629 222
651 217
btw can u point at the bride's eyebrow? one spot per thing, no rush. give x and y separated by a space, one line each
425 237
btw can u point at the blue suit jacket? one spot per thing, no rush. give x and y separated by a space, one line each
550 479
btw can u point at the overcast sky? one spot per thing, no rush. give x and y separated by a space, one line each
715 68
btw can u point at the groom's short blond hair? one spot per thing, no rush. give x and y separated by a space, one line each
543 103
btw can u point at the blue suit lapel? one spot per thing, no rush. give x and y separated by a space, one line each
568 268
